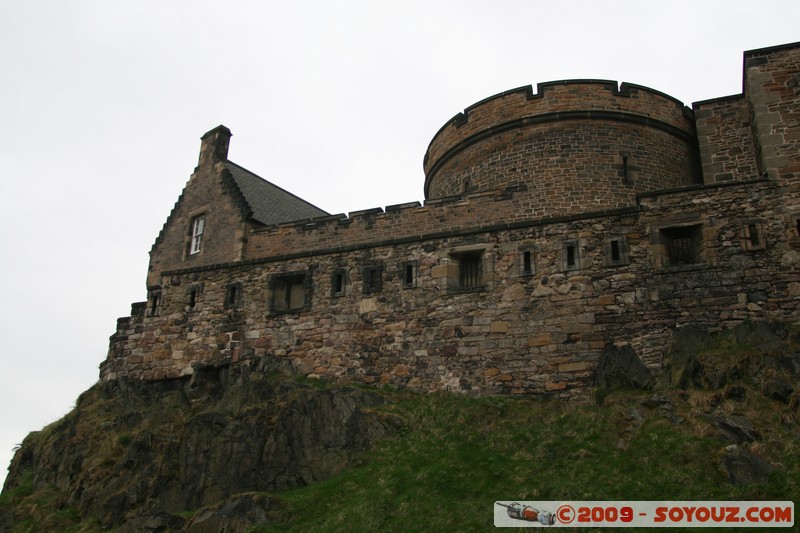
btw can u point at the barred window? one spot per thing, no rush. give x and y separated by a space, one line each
683 244
291 292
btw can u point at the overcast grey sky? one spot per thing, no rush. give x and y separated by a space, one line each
103 102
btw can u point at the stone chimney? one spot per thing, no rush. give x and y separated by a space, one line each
214 145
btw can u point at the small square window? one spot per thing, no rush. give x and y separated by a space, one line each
373 279
465 269
409 274
198 228
751 236
527 261
233 295
680 245
154 303
291 293
193 297
470 269
570 256
615 251
339 282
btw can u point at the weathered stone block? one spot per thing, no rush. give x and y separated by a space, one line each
542 339
573 367
498 327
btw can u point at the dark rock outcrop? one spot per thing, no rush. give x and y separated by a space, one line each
776 388
744 468
622 368
238 513
760 354
735 428
135 454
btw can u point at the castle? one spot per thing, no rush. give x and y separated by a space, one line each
558 224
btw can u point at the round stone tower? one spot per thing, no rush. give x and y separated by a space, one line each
574 146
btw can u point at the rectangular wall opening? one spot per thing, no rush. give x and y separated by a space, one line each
338 283
615 256
155 303
233 295
408 273
192 303
469 270
289 293
683 245
372 278
570 256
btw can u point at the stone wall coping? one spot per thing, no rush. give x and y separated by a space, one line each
355 216
412 238
701 187
320 222
718 100
615 88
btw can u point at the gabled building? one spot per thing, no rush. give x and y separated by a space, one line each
217 210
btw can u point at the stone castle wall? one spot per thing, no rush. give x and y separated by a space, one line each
539 332
725 138
511 284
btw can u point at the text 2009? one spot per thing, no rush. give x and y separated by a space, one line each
604 514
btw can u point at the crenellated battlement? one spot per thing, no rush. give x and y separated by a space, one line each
565 95
554 101
610 141
394 224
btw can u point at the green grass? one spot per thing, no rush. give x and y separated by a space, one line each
43 511
459 455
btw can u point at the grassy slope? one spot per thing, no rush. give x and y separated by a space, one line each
460 455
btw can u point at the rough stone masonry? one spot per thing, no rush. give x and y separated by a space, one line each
557 223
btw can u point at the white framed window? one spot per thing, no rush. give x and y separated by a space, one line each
198 226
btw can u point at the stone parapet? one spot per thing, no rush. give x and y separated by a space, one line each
539 331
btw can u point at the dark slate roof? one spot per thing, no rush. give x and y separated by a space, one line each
269 204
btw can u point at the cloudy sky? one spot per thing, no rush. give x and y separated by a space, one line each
103 102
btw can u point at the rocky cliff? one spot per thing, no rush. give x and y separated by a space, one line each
137 454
